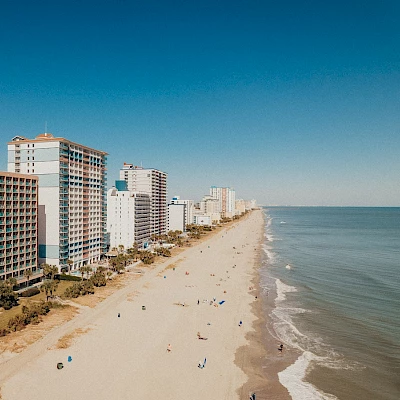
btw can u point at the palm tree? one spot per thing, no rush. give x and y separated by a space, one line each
121 248
82 270
69 262
49 287
88 270
109 273
49 270
28 273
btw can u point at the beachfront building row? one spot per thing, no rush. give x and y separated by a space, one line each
72 197
19 227
154 183
128 217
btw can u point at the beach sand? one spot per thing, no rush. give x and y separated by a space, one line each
127 357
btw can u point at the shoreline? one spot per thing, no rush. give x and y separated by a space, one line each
98 336
260 358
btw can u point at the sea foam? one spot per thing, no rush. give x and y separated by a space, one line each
282 289
293 379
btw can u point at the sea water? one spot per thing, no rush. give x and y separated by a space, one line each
337 276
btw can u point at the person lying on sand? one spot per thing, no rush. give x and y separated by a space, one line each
201 337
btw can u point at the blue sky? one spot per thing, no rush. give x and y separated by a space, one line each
291 102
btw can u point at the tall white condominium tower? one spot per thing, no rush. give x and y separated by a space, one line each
72 197
128 216
154 183
18 228
226 197
189 209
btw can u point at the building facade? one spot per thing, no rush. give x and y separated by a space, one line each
128 217
19 227
202 219
226 197
72 197
240 206
154 183
176 217
189 209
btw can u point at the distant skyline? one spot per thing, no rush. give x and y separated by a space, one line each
290 103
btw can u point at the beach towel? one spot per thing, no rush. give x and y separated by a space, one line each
221 302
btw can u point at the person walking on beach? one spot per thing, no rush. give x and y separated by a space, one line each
169 348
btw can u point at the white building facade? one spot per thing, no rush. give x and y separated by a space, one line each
72 197
202 219
128 218
154 183
189 209
176 217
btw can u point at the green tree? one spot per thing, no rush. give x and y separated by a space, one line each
49 271
82 270
28 273
8 298
49 287
88 270
98 279
163 251
69 263
146 257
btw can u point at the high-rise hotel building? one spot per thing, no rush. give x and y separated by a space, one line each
153 182
72 197
18 227
128 217
226 197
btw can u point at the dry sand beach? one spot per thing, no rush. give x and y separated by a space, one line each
154 353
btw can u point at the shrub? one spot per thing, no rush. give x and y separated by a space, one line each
30 292
30 315
4 332
98 279
79 289
8 298
65 277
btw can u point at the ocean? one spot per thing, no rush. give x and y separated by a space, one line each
336 271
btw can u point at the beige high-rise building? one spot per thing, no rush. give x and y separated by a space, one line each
154 183
19 227
72 197
226 198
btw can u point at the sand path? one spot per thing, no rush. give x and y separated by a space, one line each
127 357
